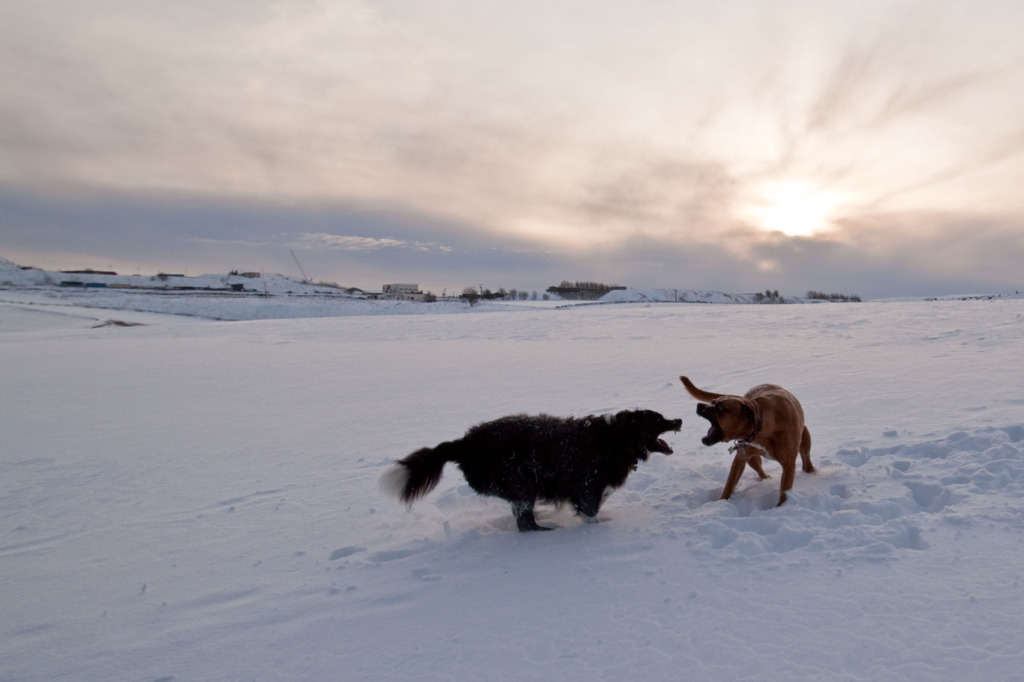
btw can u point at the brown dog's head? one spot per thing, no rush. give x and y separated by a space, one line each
731 417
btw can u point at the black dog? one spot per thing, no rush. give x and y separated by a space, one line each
525 459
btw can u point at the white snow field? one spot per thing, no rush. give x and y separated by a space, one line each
197 500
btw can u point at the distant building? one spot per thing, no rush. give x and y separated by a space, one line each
403 292
88 271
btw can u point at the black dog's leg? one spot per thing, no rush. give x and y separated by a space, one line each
587 507
523 511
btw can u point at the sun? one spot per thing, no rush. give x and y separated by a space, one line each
794 208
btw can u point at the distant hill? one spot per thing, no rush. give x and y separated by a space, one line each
687 296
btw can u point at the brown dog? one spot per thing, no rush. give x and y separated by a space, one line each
767 421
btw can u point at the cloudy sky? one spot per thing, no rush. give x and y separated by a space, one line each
865 146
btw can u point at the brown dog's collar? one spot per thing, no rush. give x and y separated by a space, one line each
747 444
749 440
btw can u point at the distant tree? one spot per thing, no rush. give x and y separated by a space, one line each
471 295
582 291
429 297
823 296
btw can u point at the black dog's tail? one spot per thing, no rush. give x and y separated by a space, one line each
413 477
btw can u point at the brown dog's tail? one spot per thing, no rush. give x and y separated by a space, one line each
805 451
697 393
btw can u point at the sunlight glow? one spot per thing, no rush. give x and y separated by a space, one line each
794 208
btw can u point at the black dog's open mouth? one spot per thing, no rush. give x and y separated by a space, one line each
659 445
714 434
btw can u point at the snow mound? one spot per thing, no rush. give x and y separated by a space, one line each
14 276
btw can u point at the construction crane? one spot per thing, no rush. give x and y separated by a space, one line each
305 278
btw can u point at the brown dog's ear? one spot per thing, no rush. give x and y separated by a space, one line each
751 416
748 412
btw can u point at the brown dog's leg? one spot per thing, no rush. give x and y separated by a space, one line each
755 464
735 471
805 451
788 474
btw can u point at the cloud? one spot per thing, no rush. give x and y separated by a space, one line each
446 135
881 255
354 243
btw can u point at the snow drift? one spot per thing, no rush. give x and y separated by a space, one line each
189 499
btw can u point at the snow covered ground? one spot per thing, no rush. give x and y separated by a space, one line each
191 499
